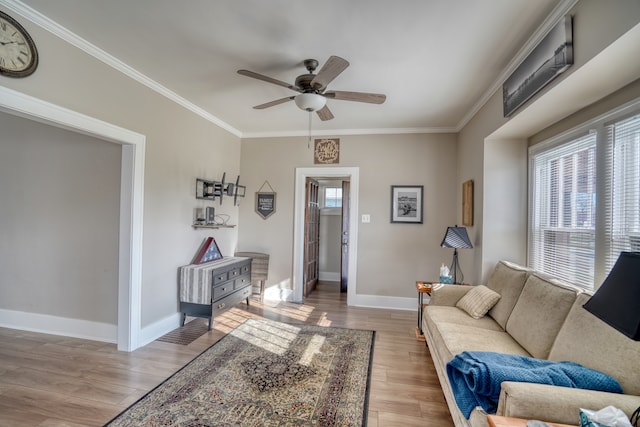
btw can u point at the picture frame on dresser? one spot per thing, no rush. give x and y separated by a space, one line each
209 251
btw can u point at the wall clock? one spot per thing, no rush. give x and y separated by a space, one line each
18 53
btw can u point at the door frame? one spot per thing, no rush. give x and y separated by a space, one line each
353 173
131 198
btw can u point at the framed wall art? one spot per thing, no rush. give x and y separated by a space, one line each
467 203
551 57
406 204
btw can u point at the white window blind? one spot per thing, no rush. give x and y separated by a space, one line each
622 222
568 237
563 215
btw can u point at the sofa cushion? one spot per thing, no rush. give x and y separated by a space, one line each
587 340
507 279
539 313
455 339
445 314
478 301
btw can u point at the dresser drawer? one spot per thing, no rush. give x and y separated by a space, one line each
230 300
242 281
220 276
222 290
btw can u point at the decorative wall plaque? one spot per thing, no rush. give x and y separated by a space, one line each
327 151
265 201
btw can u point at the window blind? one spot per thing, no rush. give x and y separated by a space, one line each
568 237
563 216
622 220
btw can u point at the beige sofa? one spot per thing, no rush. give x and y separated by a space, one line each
539 317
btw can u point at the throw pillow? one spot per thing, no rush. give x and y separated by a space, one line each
478 301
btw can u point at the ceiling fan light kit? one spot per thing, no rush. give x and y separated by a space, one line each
312 96
310 101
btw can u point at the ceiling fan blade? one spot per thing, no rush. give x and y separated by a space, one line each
329 71
268 79
272 103
325 114
371 98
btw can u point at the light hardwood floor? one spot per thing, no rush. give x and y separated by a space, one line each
53 381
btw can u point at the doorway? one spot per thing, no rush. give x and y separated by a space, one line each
131 198
348 173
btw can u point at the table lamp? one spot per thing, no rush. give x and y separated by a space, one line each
456 238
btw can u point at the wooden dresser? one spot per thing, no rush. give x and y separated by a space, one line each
209 289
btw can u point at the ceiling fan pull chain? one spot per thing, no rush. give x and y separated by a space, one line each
309 142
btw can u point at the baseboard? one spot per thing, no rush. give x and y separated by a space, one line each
157 329
392 303
329 276
55 325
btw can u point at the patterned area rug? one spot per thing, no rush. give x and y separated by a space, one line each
188 333
266 373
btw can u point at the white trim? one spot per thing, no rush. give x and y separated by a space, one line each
386 302
329 276
55 325
131 197
353 173
82 44
157 329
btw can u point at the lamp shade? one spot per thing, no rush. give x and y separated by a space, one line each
456 237
617 300
310 101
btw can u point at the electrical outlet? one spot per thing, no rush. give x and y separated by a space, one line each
366 219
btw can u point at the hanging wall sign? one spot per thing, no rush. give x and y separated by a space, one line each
265 202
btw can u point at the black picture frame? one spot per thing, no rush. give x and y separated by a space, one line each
550 58
407 204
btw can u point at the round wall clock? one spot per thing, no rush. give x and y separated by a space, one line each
18 53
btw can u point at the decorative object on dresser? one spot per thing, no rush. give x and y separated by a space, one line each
208 252
456 238
209 289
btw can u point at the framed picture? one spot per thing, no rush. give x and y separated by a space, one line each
467 203
208 252
406 204
551 57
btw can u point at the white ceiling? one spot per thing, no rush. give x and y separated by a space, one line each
436 60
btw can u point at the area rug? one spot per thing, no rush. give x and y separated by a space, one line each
188 333
266 373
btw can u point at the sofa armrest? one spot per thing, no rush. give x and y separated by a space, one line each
447 294
557 404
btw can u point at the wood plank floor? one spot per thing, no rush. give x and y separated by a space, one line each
53 381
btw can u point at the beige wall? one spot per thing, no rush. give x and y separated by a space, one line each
180 146
58 221
601 66
391 257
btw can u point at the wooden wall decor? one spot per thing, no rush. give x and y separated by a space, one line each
467 203
326 151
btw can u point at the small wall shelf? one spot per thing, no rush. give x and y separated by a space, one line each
212 226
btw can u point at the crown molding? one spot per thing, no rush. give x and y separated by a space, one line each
344 132
82 44
561 9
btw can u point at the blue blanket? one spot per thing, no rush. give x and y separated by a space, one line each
475 377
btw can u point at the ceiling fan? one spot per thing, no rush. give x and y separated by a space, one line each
312 87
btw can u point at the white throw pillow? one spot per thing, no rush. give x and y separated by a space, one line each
478 301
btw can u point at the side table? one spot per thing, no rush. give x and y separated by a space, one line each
500 421
423 288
